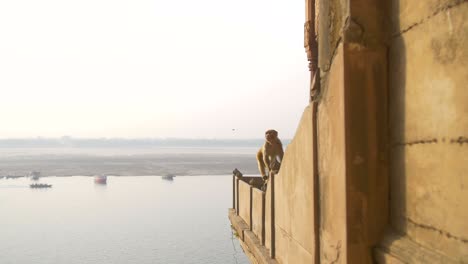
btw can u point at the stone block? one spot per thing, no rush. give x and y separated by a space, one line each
244 201
294 187
332 165
428 79
257 212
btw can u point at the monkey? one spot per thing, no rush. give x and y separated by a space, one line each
268 154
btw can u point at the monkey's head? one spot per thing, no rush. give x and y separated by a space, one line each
271 136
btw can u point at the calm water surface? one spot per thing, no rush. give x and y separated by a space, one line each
129 220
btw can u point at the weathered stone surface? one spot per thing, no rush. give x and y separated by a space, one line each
237 223
428 79
367 23
290 251
294 192
429 124
248 253
260 253
426 149
249 241
401 249
268 220
429 196
333 17
383 257
244 201
257 204
332 165
406 14
366 146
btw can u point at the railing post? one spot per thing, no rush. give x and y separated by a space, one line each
234 191
272 211
263 219
237 196
251 209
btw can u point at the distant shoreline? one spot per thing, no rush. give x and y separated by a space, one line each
176 162
71 142
175 176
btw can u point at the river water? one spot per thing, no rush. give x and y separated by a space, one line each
132 219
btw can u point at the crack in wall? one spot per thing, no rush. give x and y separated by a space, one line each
338 252
458 140
423 20
415 142
286 234
441 232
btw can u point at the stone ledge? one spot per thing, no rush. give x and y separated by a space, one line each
249 241
238 223
396 249
261 254
248 253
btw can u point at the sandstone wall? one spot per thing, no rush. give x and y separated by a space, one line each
294 192
429 124
244 201
332 167
390 139
257 213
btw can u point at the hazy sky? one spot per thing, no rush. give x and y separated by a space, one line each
151 68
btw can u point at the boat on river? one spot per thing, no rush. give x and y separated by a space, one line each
168 177
100 179
34 175
40 185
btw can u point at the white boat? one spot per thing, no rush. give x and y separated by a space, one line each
101 179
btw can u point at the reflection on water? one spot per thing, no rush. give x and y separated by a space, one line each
129 220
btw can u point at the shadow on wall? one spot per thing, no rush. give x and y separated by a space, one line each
397 122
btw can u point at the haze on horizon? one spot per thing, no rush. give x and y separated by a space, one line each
151 68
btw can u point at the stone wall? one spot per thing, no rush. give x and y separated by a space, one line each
244 201
294 192
332 167
258 203
377 170
429 124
